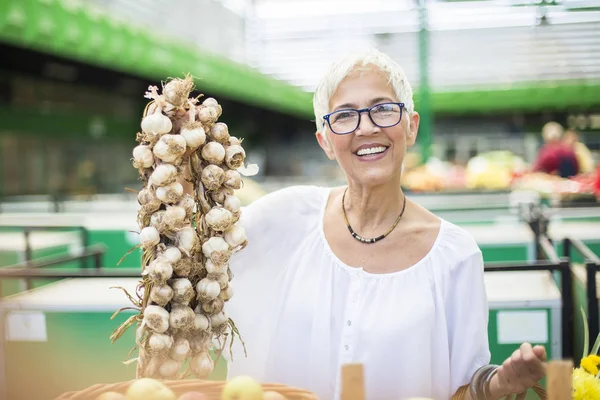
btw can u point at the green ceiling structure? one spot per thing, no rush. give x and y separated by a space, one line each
71 29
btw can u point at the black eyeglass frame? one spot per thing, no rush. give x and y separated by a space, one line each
327 117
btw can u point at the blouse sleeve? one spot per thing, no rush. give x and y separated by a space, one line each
468 314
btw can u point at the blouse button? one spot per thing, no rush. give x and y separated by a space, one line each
346 347
349 322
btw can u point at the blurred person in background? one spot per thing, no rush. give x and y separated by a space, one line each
583 154
555 157
360 273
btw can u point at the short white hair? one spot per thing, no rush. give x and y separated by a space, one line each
344 67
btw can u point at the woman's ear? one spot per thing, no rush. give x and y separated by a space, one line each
413 128
325 145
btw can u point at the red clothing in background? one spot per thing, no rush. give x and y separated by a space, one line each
597 184
557 158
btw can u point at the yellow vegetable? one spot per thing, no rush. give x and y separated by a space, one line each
242 388
149 389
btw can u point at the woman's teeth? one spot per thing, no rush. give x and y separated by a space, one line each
371 150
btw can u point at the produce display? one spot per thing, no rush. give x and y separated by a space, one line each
186 238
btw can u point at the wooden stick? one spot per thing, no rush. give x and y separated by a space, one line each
353 384
560 375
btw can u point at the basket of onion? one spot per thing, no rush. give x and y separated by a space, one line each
239 388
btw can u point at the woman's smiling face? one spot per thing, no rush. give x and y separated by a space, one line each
370 155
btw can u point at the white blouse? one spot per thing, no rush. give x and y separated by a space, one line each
303 313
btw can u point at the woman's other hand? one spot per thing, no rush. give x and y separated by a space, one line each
521 371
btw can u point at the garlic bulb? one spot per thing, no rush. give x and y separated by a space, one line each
233 179
174 217
232 203
221 194
233 141
200 322
163 175
212 177
248 170
217 249
161 295
189 204
183 292
156 318
160 270
172 255
235 156
218 319
213 152
210 102
194 135
208 115
220 278
235 236
220 133
187 240
156 124
169 368
183 268
142 157
213 268
213 306
149 237
227 293
170 193
177 90
170 147
202 365
160 342
219 219
156 220
180 350
181 317
208 289
147 196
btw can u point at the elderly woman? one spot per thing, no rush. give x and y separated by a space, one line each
362 274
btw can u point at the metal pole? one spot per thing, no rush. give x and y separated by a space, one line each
592 298
566 282
424 105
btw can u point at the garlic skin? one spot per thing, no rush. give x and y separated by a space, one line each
156 220
189 205
174 217
213 152
208 289
163 175
160 270
183 268
148 197
216 249
219 195
212 177
170 193
248 170
156 318
156 124
170 147
227 293
142 157
218 319
233 179
220 132
233 141
219 219
213 306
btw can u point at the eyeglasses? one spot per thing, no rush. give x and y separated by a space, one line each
384 115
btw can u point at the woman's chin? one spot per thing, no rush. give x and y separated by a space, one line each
375 177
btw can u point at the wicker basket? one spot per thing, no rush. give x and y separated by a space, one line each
211 388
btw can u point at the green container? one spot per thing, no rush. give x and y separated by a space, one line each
58 337
503 242
524 307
